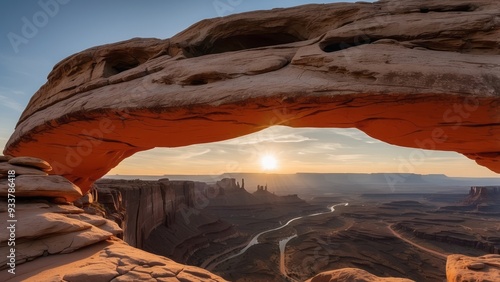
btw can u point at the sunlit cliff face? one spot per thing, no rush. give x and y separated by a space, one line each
377 67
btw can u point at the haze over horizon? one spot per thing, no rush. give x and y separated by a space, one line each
80 25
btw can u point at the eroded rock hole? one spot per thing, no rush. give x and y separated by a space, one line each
117 63
459 8
335 46
198 82
244 42
204 78
123 66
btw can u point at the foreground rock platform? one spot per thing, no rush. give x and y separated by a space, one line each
422 74
353 274
110 260
464 268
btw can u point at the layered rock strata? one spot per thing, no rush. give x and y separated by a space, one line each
28 178
166 217
488 241
148 204
422 74
40 221
49 239
112 204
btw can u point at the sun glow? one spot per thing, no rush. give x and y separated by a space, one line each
268 162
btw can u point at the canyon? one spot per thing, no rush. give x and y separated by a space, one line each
232 232
419 74
187 220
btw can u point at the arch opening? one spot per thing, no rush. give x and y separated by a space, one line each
332 150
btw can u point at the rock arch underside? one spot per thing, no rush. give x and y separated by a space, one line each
421 74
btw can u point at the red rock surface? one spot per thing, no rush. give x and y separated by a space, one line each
110 260
423 74
461 268
353 274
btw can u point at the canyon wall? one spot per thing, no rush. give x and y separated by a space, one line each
165 217
491 244
48 239
149 204
422 74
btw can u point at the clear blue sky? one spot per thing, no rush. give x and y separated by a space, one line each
71 26
36 34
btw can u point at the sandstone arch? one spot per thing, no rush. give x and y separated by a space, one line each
416 74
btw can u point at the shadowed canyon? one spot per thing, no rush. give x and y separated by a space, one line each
418 74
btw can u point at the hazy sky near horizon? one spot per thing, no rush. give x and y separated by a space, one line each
33 43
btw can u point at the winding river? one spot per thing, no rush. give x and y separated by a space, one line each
282 245
283 242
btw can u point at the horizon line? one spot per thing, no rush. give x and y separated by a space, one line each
271 173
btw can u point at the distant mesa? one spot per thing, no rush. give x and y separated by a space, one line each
483 194
261 188
265 196
479 199
230 193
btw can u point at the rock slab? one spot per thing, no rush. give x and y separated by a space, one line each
44 228
30 161
353 274
52 186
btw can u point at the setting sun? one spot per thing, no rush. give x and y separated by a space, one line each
268 162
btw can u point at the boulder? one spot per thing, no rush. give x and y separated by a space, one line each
53 186
476 266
